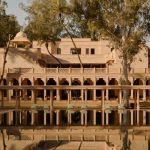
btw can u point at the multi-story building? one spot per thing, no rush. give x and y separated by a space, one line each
50 88
44 92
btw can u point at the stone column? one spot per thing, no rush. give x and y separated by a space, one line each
9 91
103 111
94 91
10 118
120 118
138 107
58 117
131 90
51 107
82 91
107 91
58 91
45 98
120 96
144 117
94 94
32 118
69 118
33 93
45 118
107 118
69 96
82 118
131 113
94 117
85 119
144 95
144 91
85 95
82 95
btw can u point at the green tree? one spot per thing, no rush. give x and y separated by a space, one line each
8 25
125 23
8 29
44 25
43 21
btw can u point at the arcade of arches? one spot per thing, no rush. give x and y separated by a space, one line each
75 95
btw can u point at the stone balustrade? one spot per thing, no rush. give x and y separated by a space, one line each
77 70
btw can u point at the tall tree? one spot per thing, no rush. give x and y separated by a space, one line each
125 23
44 25
8 24
8 29
43 20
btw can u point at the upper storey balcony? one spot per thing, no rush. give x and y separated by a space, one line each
73 71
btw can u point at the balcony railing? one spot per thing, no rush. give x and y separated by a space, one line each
77 70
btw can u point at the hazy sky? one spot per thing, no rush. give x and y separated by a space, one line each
13 8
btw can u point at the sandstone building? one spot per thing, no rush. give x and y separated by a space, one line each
39 91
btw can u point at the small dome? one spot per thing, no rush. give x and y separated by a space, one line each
20 34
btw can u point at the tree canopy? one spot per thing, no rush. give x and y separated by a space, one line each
8 24
43 20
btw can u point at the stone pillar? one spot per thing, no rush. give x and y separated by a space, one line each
94 94
10 118
107 91
82 95
144 94
120 96
144 117
85 95
138 107
9 91
131 90
120 118
32 118
85 119
51 107
20 117
69 96
144 90
33 96
58 117
45 118
82 118
69 118
58 95
107 118
94 117
45 97
94 91
131 113
103 103
58 91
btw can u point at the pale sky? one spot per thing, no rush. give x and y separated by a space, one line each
13 8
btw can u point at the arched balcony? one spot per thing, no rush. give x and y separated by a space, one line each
76 94
88 94
99 82
51 81
39 94
113 94
63 93
26 94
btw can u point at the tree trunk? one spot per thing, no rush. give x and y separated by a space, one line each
1 81
124 130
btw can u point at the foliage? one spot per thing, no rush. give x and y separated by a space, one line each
43 20
8 25
125 23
